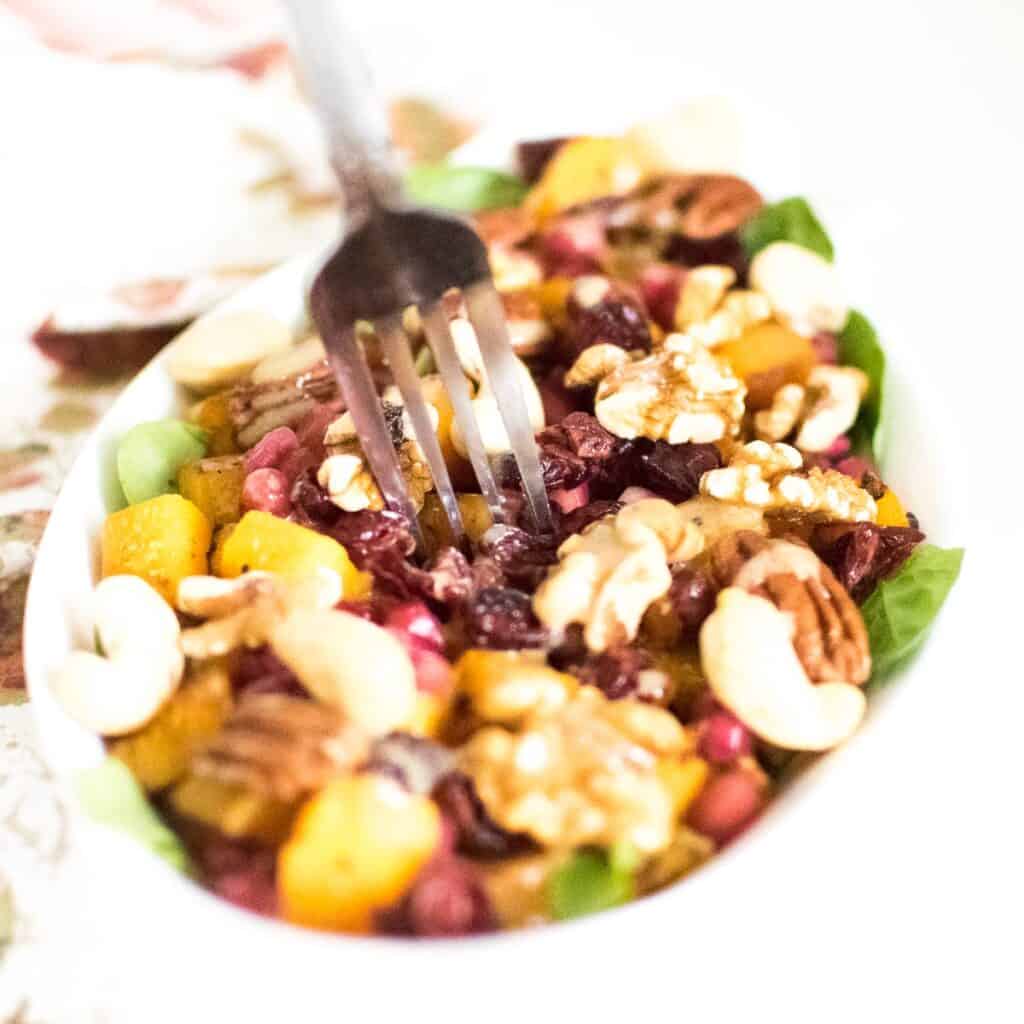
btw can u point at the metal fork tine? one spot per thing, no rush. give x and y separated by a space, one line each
487 316
396 348
435 322
358 390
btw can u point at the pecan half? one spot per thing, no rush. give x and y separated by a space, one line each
829 634
281 746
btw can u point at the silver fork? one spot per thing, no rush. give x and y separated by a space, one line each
392 256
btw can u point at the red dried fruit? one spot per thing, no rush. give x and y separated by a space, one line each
660 285
615 672
413 619
692 597
557 399
502 619
476 833
600 311
522 558
574 243
259 670
240 872
579 450
673 471
862 554
581 518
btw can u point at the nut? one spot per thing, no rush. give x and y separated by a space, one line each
243 610
780 419
836 393
803 288
281 746
485 405
752 668
716 518
829 634
258 408
220 350
349 663
528 331
609 574
770 476
586 772
138 666
512 269
347 478
680 393
702 292
595 363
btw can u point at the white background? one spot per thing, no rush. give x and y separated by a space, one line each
908 116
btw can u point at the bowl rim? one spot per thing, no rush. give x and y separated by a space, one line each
776 824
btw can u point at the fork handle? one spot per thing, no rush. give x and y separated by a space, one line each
341 88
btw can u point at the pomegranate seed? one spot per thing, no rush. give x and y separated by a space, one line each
266 490
418 624
433 671
271 449
724 738
726 805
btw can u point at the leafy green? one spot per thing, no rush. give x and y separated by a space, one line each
900 610
592 880
789 220
111 796
465 189
150 455
859 346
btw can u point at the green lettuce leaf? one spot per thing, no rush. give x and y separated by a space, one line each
859 346
900 610
592 880
464 189
111 796
789 220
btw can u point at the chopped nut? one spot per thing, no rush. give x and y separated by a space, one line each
242 611
802 287
680 393
258 408
609 574
780 419
528 331
347 478
595 363
717 519
507 686
584 773
512 269
771 476
836 393
281 746
702 292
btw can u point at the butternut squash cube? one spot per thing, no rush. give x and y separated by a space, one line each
214 485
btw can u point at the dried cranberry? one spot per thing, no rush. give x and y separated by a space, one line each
575 243
557 399
726 250
259 670
692 596
599 311
615 672
417 763
523 558
673 471
477 834
310 505
446 900
569 499
240 872
500 618
533 155
581 518
579 450
862 554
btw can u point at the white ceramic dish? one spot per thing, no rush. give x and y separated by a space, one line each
239 964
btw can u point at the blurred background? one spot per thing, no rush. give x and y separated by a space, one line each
155 154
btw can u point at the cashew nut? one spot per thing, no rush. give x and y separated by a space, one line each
349 663
803 288
839 392
221 350
747 653
485 405
139 665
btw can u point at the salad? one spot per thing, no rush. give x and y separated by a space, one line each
323 723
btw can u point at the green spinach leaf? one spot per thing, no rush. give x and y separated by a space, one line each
901 609
111 796
464 189
789 220
592 880
859 346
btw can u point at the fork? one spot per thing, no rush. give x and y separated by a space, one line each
393 255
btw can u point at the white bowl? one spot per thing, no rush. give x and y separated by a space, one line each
256 969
